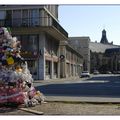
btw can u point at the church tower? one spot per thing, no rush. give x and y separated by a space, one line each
104 38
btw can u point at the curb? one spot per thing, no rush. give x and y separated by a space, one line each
83 102
90 100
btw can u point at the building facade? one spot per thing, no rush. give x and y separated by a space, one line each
113 55
81 44
38 29
103 56
99 59
71 61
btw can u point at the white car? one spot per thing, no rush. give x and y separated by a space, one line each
95 72
85 74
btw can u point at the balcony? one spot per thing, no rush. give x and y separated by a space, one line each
33 22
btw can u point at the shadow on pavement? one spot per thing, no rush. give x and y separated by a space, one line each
8 107
4 109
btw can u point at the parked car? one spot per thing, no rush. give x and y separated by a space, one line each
96 72
108 72
85 74
116 72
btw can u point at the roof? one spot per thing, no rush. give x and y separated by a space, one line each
112 50
79 38
101 48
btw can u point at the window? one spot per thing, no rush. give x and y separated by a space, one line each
2 15
67 55
47 68
48 45
55 68
51 46
29 42
34 17
68 68
24 42
33 42
32 67
25 18
16 17
8 18
55 47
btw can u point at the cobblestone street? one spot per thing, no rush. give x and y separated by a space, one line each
59 108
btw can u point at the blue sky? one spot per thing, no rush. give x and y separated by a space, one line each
90 20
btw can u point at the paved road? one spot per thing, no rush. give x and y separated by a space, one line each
99 85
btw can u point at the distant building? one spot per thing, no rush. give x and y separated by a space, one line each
99 60
113 54
103 56
82 44
71 61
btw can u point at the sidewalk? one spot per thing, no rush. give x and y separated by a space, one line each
99 100
57 80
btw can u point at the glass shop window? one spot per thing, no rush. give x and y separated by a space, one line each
33 42
47 68
29 42
55 67
24 42
32 66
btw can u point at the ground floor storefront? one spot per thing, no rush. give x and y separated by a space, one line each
47 58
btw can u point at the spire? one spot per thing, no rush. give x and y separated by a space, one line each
104 38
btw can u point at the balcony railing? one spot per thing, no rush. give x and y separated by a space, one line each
33 22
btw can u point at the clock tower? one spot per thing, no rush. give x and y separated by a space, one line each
104 37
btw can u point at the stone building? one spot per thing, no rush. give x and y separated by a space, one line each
113 55
103 56
99 60
71 60
82 44
38 29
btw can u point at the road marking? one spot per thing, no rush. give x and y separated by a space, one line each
100 81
